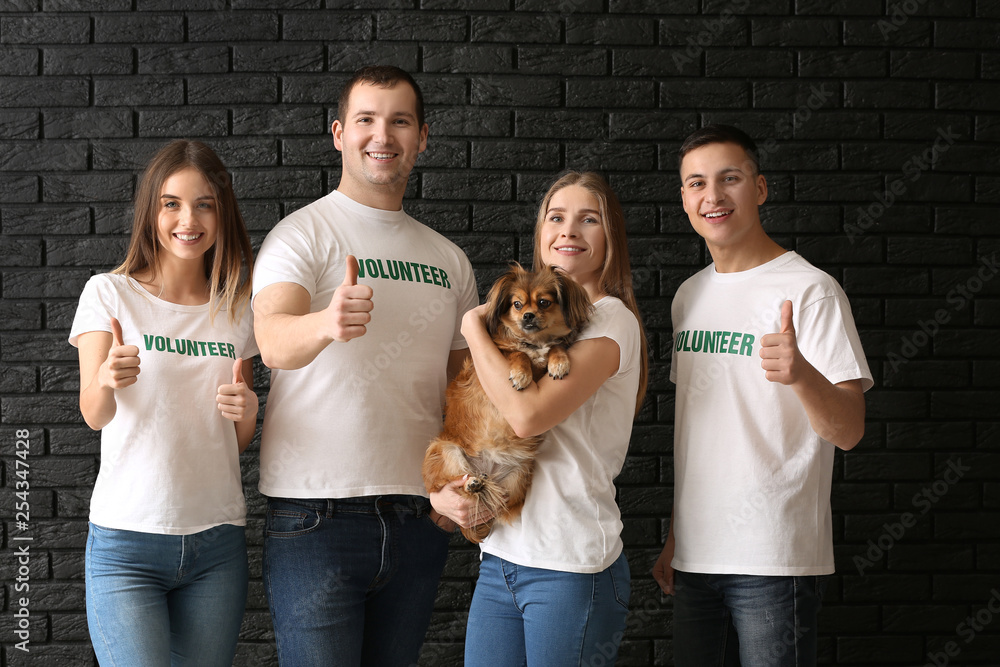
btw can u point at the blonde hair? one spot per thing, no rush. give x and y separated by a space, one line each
229 262
616 274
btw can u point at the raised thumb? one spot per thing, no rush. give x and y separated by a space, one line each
116 333
786 318
351 274
238 371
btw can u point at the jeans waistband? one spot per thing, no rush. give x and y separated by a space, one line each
417 505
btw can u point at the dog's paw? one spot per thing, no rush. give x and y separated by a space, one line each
558 369
475 484
519 379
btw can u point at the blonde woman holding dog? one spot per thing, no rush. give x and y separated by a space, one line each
553 586
165 342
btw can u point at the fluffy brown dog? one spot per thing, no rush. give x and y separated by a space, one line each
532 318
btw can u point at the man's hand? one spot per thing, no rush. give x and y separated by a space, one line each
782 361
663 572
121 368
459 508
351 305
236 401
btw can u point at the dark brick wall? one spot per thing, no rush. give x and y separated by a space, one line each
881 137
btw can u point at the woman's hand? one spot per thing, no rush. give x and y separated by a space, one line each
474 320
236 401
460 509
121 368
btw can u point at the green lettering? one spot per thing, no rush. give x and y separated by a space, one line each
182 345
232 350
687 341
425 273
212 351
393 264
361 268
734 343
697 339
716 339
170 348
724 341
159 343
710 341
434 275
148 338
202 345
192 348
679 341
372 267
381 271
405 270
444 278
746 349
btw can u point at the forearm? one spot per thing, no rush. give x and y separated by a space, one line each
98 405
245 431
493 370
836 411
289 342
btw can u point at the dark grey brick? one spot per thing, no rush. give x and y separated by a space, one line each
702 94
515 29
503 155
796 31
422 26
610 30
854 63
90 187
256 120
277 183
309 89
48 156
746 63
348 57
327 27
668 62
977 96
46 220
614 93
25 284
559 124
466 186
653 125
183 58
18 61
225 27
915 32
562 60
92 123
697 33
278 58
467 59
139 91
41 29
20 252
87 60
85 252
138 28
468 121
187 122
233 89
512 90
17 379
44 92
610 156
19 124
86 5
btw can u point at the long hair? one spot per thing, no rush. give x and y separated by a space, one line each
616 275
229 262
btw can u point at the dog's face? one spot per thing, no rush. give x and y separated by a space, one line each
536 307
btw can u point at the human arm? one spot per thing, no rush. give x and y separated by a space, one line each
836 411
663 571
546 403
106 364
238 403
290 336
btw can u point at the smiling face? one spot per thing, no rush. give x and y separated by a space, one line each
187 221
721 190
572 236
379 139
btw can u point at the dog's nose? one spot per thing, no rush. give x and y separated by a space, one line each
528 317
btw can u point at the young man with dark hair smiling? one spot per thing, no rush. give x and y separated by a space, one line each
770 377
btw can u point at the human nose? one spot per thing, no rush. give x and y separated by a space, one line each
713 193
380 132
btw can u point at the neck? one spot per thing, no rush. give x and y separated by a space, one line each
386 198
745 256
177 282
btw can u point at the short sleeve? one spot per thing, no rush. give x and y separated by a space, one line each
828 339
99 302
286 256
467 300
613 320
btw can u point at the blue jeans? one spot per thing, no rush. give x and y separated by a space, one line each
723 620
159 600
546 618
351 581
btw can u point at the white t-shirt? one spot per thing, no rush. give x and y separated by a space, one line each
169 459
357 420
570 521
752 479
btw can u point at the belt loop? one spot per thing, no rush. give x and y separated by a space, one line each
331 507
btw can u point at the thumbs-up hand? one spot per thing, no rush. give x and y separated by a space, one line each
236 401
782 361
121 368
351 305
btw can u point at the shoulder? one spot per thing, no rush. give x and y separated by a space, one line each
436 239
611 318
812 283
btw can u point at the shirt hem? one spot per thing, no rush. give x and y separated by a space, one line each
163 530
756 570
354 492
575 568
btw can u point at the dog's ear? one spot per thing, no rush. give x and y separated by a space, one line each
498 300
573 300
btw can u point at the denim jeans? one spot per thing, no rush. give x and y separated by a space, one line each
723 620
546 618
158 600
351 581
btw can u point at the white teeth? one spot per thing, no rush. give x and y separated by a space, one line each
717 215
187 237
382 156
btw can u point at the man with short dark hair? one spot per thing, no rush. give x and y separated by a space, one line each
358 309
770 377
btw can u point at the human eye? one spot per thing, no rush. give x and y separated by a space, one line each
170 203
591 220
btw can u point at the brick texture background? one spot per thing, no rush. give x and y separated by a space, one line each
880 134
